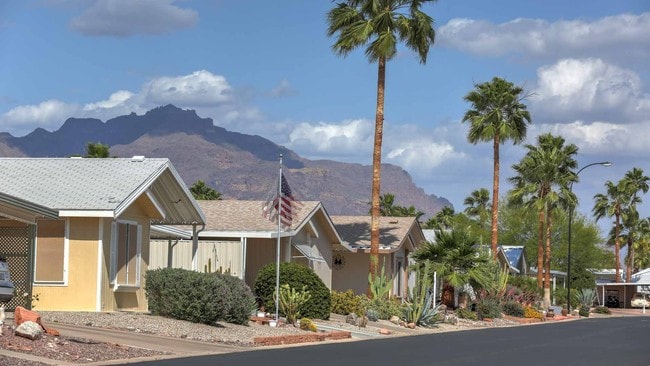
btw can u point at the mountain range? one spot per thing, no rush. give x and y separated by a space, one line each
237 165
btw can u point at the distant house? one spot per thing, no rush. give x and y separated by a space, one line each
239 240
76 231
514 257
398 238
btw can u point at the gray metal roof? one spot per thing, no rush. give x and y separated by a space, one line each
77 184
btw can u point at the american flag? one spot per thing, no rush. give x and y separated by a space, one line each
289 206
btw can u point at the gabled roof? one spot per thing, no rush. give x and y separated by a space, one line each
78 187
394 232
237 218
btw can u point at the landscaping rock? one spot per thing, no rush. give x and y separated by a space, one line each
394 319
30 330
384 331
351 319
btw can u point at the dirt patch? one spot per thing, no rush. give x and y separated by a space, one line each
68 349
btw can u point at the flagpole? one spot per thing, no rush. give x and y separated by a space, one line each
277 249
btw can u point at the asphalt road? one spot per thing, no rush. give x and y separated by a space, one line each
620 341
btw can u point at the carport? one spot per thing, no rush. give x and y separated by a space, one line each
623 290
17 237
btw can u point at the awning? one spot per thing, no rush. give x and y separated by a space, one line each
309 252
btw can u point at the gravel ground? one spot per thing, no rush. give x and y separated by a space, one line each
73 350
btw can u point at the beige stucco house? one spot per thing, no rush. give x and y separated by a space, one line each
75 231
398 238
238 239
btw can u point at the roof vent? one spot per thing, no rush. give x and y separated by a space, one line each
137 158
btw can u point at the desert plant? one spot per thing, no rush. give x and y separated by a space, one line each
347 302
465 313
242 299
296 276
583 311
531 312
488 307
385 308
420 307
291 300
586 297
513 308
379 284
308 324
372 315
602 310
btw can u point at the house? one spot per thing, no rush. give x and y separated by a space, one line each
238 239
75 231
514 257
398 238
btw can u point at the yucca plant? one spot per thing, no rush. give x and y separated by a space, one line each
421 308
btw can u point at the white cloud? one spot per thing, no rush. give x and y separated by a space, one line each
604 37
48 115
199 89
588 89
123 18
349 138
284 89
116 99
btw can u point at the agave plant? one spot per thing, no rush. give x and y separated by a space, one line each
421 308
586 297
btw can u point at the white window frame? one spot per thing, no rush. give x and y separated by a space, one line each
66 258
138 268
399 277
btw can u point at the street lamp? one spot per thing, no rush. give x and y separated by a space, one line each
568 271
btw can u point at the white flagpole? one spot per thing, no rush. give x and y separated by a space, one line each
277 249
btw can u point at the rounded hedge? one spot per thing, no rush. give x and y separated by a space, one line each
296 276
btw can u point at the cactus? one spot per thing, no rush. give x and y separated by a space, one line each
421 309
379 285
291 300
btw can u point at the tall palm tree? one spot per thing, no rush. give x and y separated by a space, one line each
497 114
542 182
612 204
379 25
634 182
642 245
443 220
477 207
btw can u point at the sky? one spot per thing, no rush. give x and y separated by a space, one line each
267 68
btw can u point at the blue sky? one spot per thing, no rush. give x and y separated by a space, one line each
266 68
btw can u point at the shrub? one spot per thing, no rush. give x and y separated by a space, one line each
584 311
296 276
347 302
187 295
243 300
530 312
488 308
372 315
602 310
385 308
513 308
465 313
307 324
560 297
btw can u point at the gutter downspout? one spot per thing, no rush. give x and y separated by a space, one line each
195 246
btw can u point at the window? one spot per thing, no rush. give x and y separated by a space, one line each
125 254
399 277
51 252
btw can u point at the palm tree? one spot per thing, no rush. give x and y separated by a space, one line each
477 207
455 257
542 182
201 191
378 25
443 220
498 115
612 204
634 182
97 150
389 208
642 245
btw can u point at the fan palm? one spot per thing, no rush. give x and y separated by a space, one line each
379 25
542 182
613 203
634 182
477 207
497 114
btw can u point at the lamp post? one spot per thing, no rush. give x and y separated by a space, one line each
568 271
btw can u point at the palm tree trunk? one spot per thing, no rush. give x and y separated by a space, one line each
540 250
547 262
495 196
617 246
630 258
376 168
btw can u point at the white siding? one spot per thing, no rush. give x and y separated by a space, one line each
219 255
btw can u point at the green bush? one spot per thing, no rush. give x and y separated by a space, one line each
385 308
296 276
465 313
243 301
602 310
372 315
513 308
347 302
488 308
560 297
584 311
188 295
